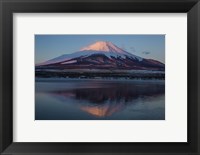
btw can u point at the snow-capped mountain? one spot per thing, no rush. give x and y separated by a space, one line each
101 55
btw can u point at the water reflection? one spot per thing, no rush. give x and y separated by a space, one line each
111 100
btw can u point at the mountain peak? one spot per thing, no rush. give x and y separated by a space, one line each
103 46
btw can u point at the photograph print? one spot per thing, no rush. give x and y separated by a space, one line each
100 77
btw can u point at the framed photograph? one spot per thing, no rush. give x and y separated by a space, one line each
105 77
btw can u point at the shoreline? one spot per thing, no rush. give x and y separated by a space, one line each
60 79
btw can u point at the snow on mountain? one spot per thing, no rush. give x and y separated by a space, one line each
109 49
104 46
70 62
101 47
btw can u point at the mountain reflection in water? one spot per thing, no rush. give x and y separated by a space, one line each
100 100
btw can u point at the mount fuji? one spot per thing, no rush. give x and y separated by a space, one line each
101 55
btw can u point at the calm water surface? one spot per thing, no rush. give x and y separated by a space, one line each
65 99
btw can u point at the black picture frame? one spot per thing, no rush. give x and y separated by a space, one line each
8 7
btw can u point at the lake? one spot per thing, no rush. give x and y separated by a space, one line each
99 99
